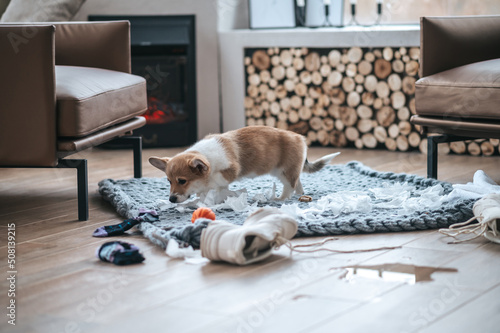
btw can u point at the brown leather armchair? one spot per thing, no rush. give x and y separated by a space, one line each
458 92
66 87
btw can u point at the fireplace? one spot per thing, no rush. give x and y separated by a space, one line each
163 52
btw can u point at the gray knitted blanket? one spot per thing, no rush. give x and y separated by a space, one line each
347 199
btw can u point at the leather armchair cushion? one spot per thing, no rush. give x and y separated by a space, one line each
469 91
91 99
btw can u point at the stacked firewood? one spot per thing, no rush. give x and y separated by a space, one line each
485 147
358 97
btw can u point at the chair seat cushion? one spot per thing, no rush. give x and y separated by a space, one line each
91 99
470 91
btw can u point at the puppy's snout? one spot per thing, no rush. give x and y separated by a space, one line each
173 198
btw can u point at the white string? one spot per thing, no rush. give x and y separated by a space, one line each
465 228
293 248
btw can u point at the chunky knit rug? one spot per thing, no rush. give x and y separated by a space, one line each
347 199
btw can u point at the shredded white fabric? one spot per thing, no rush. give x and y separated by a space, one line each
401 196
337 203
236 201
406 198
174 251
481 185
391 196
189 255
214 197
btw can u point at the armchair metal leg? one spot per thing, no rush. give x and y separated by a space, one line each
136 142
82 178
432 151
137 146
432 157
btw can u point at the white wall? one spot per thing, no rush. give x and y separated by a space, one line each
207 50
233 14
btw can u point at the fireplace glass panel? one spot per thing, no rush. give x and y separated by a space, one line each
166 86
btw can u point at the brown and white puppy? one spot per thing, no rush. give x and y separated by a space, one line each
216 161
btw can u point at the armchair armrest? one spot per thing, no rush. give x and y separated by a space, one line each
449 42
27 95
94 44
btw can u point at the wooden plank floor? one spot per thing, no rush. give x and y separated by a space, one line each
61 287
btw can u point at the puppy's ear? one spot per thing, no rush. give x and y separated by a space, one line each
159 162
198 165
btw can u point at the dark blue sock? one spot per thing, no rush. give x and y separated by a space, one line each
119 253
119 229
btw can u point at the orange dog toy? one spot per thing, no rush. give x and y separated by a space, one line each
203 212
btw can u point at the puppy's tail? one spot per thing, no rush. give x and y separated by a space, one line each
318 164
